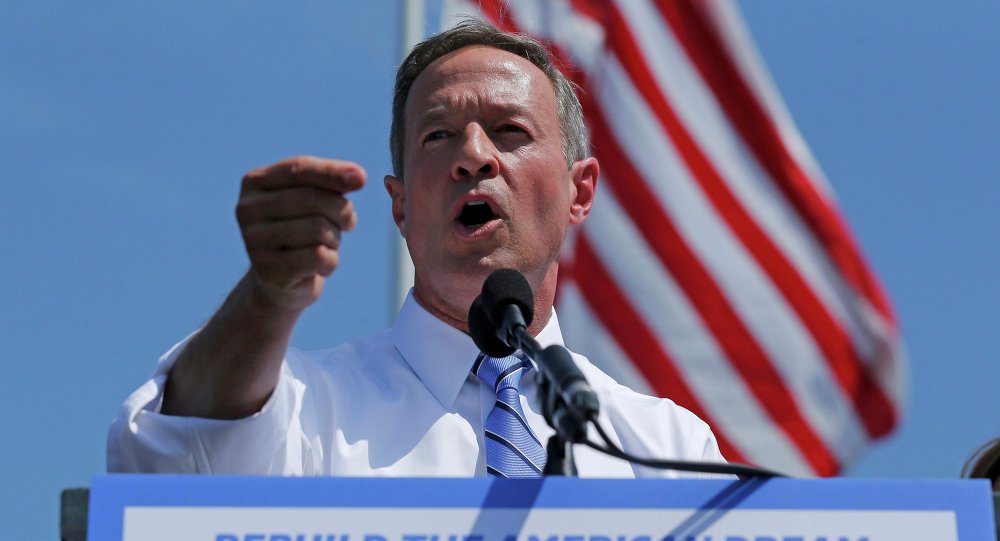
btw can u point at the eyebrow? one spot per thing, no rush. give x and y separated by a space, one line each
430 116
441 112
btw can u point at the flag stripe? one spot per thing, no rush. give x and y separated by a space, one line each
633 337
692 25
880 342
756 192
737 40
710 302
664 309
582 329
871 404
750 293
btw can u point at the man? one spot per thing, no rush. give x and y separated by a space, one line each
490 170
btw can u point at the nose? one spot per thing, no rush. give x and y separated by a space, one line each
477 156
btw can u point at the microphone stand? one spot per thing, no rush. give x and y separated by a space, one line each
569 423
560 458
559 461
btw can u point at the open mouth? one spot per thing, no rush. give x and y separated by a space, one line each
475 213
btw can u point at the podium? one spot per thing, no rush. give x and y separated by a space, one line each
158 507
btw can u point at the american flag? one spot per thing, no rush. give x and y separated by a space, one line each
715 268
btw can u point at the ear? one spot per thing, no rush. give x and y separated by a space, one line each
397 193
584 175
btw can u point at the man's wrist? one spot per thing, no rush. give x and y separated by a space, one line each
268 303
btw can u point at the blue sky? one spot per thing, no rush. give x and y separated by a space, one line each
125 128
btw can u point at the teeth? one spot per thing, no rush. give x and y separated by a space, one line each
476 203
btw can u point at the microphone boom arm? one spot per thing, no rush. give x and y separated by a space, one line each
568 402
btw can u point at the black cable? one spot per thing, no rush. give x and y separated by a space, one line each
742 470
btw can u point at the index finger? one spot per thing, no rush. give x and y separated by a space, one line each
338 176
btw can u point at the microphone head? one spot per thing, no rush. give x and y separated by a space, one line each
505 287
483 332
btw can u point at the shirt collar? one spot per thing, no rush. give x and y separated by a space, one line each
440 355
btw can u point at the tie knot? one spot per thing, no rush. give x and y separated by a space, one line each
500 373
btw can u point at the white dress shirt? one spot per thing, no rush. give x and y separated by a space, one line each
398 403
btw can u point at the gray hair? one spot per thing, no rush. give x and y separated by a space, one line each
476 32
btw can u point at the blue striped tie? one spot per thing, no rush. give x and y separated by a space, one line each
512 450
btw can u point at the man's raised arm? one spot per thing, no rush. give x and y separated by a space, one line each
291 215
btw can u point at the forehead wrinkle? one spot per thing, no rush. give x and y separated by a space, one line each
503 84
488 104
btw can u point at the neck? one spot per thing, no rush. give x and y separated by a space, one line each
545 294
446 313
457 314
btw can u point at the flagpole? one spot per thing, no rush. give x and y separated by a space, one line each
412 32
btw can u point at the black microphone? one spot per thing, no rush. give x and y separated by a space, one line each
483 332
508 303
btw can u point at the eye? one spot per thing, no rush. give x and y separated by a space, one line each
511 128
435 136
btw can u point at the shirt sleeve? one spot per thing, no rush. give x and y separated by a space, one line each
704 446
269 442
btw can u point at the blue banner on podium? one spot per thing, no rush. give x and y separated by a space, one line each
155 508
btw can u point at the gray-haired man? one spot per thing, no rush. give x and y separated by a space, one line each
490 170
